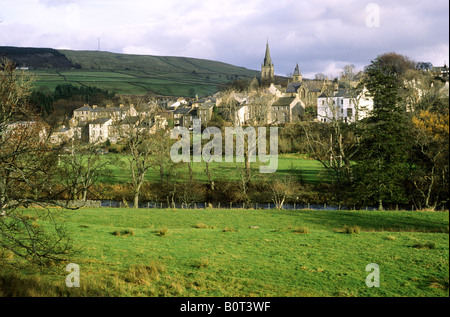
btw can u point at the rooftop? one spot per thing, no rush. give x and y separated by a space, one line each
284 101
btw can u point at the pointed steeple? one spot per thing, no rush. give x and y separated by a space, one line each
297 76
297 70
267 59
267 68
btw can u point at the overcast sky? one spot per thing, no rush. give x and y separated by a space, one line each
321 35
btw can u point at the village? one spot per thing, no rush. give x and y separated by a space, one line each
167 150
272 105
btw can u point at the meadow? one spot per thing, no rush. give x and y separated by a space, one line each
234 253
142 74
299 166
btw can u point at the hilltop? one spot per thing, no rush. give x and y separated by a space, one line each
126 73
36 58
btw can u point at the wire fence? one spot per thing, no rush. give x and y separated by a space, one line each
234 205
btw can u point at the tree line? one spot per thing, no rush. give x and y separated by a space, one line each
399 154
65 98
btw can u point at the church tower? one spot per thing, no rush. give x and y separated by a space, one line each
297 76
267 69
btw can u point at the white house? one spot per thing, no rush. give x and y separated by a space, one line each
98 130
275 90
242 114
341 105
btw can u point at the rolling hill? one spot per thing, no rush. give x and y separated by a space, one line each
126 73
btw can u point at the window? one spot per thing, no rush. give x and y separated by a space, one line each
349 112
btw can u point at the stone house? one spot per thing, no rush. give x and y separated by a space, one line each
285 110
182 116
205 111
99 130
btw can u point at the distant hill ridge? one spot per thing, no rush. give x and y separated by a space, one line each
126 73
36 58
49 58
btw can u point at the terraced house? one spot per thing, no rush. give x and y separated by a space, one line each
95 124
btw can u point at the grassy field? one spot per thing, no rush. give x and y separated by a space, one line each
141 74
214 252
296 165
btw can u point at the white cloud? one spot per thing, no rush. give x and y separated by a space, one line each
322 35
139 50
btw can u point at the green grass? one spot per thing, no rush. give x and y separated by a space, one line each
256 253
139 74
300 168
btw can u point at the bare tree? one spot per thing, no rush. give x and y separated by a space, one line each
82 168
333 143
141 143
282 187
28 177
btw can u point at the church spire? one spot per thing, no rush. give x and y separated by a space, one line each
267 59
297 70
267 69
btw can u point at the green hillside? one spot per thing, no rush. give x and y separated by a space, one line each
132 74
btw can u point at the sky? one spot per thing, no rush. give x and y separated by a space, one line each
322 36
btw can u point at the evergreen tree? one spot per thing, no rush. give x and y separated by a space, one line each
382 169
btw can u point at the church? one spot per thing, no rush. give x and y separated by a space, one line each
306 90
267 68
